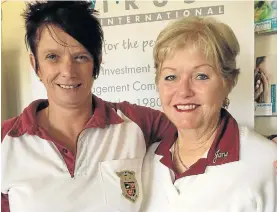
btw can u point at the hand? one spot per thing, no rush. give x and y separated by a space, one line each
258 89
265 82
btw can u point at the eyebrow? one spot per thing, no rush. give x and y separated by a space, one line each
44 51
81 52
195 67
173 69
57 51
205 64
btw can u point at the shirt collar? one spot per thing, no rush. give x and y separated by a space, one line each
225 148
103 114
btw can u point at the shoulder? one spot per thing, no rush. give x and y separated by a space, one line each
7 125
17 126
142 115
255 145
153 123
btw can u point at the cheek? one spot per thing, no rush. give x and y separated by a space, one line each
90 82
87 71
47 70
215 101
215 96
90 66
166 94
88 79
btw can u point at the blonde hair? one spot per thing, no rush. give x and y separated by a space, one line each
217 40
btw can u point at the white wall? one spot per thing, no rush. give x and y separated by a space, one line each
15 66
266 45
139 87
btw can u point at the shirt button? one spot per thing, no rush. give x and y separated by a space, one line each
65 150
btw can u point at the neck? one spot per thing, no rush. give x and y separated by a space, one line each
69 120
194 141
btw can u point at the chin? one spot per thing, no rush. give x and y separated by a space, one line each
71 102
186 125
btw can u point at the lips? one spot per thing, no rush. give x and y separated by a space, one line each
64 86
186 107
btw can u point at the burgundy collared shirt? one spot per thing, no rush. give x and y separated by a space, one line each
236 174
40 175
225 148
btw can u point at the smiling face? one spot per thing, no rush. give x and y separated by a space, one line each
64 66
191 90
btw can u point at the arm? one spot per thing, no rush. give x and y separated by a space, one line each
5 203
274 139
267 199
153 123
5 128
269 195
161 128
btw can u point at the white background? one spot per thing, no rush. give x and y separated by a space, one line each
237 14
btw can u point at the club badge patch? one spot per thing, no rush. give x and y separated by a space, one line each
129 185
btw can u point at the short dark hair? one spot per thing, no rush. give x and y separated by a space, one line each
270 137
259 60
76 18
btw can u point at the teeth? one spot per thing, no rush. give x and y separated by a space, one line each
68 86
186 107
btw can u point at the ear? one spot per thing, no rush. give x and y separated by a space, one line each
33 64
227 86
33 61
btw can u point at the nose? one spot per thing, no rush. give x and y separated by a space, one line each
67 68
185 88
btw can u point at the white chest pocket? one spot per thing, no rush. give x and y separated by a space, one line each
122 184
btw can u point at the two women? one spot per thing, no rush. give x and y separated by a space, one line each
76 152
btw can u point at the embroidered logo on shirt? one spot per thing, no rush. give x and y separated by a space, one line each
129 185
219 154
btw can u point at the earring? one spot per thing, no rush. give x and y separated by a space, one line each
226 103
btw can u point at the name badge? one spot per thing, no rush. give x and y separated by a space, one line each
219 154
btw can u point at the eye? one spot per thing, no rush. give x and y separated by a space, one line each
170 77
51 57
82 58
202 77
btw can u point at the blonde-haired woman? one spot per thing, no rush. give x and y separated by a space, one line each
212 163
